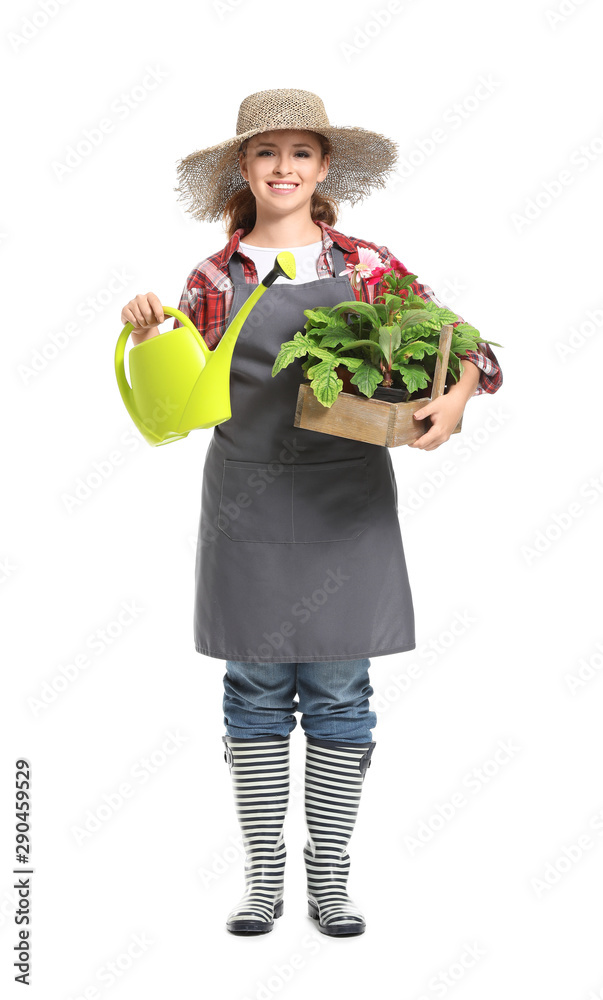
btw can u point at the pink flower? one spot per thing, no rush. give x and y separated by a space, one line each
368 262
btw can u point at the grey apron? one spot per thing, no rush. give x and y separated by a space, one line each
299 555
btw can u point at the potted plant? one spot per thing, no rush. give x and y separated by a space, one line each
363 359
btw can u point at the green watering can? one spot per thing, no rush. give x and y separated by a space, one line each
178 384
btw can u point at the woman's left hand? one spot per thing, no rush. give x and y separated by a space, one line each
445 412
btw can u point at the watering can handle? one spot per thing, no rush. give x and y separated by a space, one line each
120 349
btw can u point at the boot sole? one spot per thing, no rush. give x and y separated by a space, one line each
332 929
246 926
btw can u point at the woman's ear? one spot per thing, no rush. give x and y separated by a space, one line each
324 168
243 166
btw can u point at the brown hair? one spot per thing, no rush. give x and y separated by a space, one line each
240 209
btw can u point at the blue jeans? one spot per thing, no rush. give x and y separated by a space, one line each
259 699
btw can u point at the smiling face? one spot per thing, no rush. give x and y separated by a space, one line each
290 157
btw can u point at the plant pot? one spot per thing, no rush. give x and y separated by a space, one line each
391 393
346 375
376 421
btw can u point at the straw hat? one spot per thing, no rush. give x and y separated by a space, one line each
359 162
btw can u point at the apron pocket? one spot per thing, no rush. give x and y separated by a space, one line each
330 500
256 501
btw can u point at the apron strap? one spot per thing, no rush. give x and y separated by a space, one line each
237 273
339 261
235 266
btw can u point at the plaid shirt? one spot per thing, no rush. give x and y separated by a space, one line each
208 294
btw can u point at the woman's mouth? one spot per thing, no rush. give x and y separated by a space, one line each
283 187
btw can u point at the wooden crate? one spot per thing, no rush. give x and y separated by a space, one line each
373 420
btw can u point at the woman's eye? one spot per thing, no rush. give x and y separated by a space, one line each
301 152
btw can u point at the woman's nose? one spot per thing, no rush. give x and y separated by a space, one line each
283 163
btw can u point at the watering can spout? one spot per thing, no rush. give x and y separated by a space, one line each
284 265
177 383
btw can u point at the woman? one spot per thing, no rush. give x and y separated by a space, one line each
300 570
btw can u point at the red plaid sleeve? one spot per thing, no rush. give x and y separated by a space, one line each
206 305
490 376
192 301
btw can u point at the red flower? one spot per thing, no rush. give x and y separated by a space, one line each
396 265
376 275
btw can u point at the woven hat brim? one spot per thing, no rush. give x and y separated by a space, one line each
360 161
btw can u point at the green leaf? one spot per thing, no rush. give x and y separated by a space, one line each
382 312
362 308
393 301
468 329
399 282
296 348
352 363
462 344
411 317
414 376
446 316
314 337
322 352
320 317
417 348
428 328
370 344
412 299
335 338
454 366
389 340
471 331
443 314
326 384
367 378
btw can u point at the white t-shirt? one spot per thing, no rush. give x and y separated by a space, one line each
306 259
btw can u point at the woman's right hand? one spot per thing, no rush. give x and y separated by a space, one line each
145 313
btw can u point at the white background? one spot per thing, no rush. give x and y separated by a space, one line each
480 515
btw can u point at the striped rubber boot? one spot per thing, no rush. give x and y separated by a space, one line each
334 774
260 777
